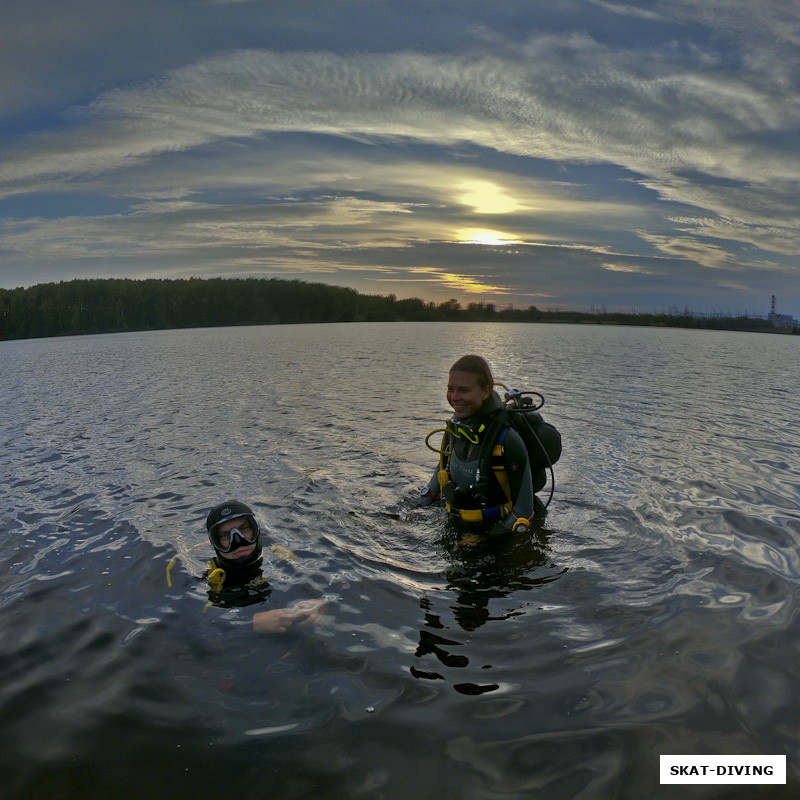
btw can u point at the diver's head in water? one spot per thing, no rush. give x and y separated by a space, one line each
234 534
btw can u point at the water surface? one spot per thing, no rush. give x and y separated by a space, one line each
653 612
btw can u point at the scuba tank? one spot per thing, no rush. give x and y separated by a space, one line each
542 440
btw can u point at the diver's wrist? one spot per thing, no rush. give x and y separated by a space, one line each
521 525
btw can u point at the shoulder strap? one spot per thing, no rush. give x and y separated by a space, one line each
492 455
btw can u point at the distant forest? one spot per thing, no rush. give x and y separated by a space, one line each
116 305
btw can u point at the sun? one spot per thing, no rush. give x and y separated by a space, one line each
486 236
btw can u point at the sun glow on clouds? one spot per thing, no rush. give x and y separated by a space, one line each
485 236
486 197
631 268
461 283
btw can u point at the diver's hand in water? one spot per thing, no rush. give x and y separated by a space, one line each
427 498
279 620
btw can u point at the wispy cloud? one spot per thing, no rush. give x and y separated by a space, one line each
679 147
648 112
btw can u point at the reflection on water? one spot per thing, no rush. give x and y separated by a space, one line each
653 611
484 582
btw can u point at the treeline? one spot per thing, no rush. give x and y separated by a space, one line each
116 305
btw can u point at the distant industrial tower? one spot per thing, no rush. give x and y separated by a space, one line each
780 320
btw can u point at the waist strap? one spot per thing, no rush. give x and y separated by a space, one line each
490 514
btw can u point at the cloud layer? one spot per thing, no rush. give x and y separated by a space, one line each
578 163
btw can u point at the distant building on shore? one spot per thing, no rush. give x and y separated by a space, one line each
781 320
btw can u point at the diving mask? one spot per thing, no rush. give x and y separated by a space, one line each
240 536
461 430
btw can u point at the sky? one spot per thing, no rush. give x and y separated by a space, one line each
578 154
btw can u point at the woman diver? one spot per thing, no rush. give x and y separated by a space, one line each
484 473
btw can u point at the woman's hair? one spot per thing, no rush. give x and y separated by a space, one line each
477 366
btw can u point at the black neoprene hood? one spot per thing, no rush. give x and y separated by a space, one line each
225 511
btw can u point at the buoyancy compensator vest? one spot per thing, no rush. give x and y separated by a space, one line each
489 497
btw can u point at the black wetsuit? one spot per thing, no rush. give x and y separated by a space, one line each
237 587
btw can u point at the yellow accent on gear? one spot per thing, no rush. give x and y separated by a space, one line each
500 472
169 570
476 514
174 559
216 577
283 552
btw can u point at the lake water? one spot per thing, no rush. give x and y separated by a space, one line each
655 611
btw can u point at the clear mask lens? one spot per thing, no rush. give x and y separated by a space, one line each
234 537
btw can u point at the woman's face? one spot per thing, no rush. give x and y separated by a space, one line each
464 393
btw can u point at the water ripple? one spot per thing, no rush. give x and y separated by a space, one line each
654 611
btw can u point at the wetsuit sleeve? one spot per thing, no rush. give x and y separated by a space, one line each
432 493
518 469
433 484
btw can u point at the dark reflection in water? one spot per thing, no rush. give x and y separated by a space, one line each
655 610
483 572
